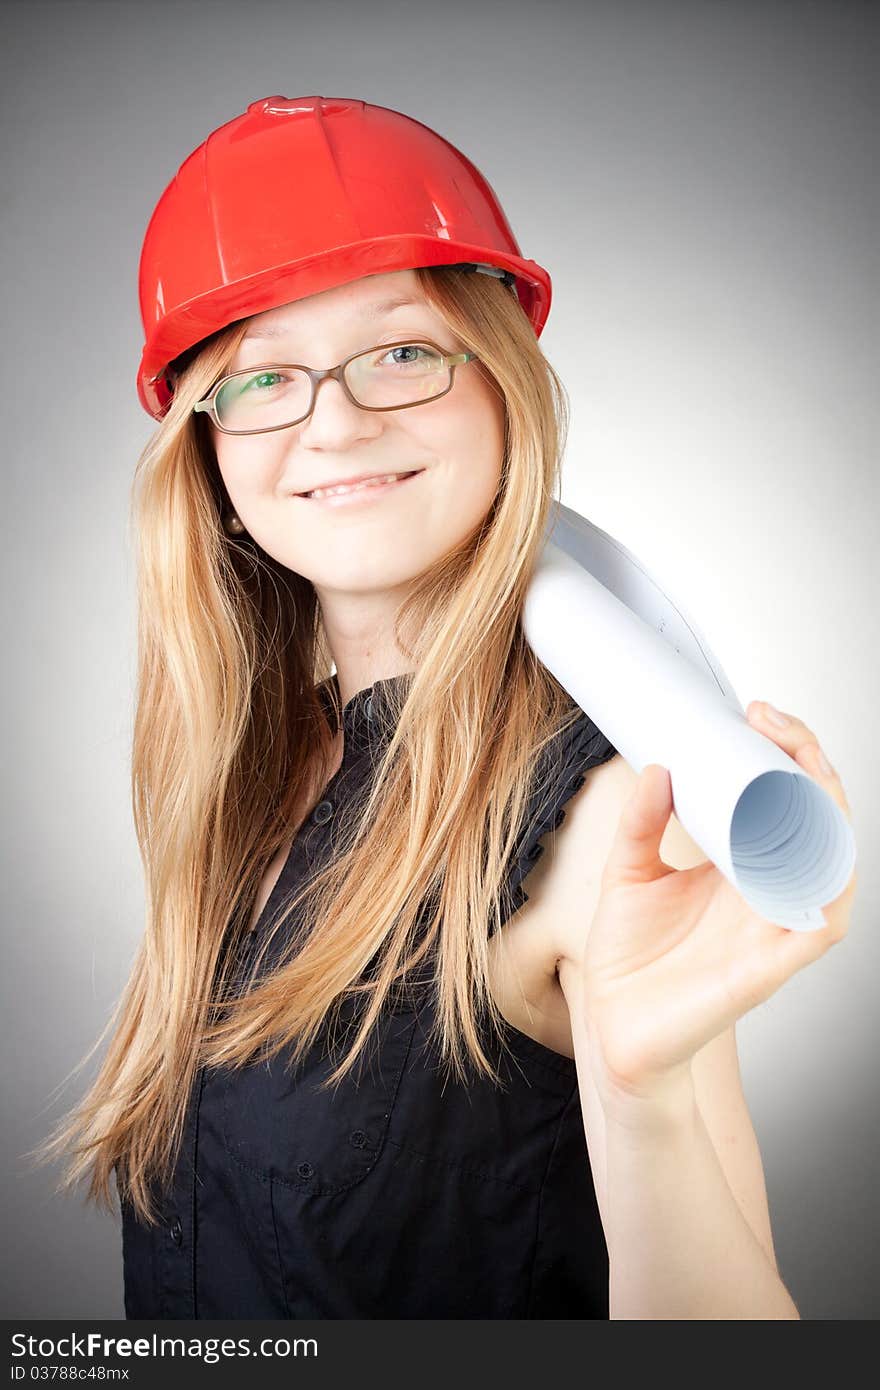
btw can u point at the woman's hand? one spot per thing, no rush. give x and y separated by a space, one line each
675 956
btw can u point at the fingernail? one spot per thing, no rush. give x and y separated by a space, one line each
824 763
780 720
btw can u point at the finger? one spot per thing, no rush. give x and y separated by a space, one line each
811 758
798 948
801 744
635 851
790 736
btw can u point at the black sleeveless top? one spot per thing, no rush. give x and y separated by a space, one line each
403 1193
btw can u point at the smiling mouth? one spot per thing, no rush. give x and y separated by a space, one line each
346 489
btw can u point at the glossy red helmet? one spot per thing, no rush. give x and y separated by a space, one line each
298 195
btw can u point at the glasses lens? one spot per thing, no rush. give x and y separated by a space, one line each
404 374
263 399
272 397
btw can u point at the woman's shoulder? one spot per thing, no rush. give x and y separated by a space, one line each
578 831
563 883
565 886
559 781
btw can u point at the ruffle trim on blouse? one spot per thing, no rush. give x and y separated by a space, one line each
563 770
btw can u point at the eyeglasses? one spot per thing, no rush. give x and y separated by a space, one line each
272 397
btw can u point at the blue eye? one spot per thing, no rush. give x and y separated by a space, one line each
426 353
408 347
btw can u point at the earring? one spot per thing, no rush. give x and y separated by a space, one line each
232 524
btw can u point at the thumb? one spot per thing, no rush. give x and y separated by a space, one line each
635 851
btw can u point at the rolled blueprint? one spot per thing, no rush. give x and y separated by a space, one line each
635 661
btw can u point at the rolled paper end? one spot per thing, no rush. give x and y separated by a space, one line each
792 849
637 664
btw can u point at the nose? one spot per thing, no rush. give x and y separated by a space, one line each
335 417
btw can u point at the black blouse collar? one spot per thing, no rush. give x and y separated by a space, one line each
366 715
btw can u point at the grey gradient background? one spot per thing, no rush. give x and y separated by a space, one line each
700 180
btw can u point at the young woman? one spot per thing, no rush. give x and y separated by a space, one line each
358 1070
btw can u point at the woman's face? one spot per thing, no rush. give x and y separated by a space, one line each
380 539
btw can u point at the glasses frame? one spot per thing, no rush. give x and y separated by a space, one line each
316 376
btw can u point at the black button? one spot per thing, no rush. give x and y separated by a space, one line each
322 812
368 707
305 1170
176 1230
357 1138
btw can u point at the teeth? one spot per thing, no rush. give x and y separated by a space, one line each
355 487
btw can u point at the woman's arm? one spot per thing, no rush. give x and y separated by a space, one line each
681 1193
685 1209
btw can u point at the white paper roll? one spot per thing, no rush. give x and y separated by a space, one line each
639 666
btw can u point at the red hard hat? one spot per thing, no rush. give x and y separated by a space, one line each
298 195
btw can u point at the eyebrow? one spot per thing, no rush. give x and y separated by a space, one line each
371 312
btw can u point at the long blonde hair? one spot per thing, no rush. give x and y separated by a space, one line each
231 739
